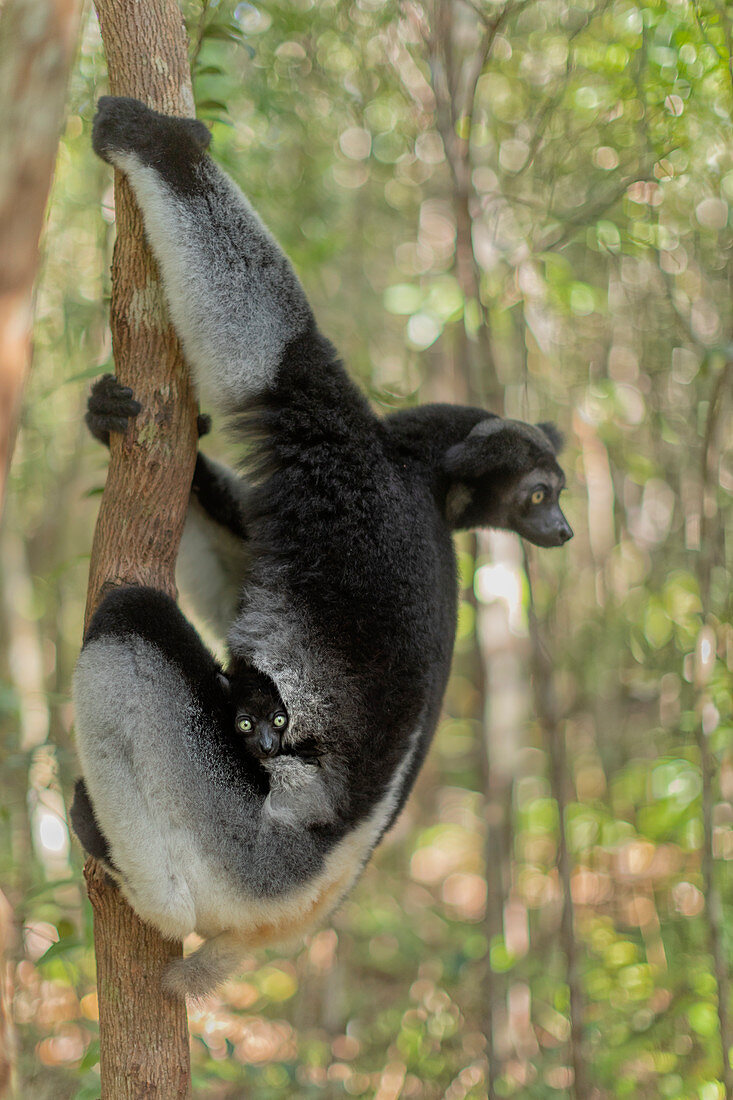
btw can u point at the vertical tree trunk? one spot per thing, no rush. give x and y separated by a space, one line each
144 1049
455 68
37 44
548 713
705 653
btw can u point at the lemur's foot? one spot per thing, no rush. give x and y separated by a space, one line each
123 125
110 406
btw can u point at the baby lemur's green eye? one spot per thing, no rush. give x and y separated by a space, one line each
280 720
244 723
538 496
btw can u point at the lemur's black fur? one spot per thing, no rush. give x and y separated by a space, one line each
347 601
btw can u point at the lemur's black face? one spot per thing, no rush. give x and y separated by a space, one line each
505 474
260 717
534 510
261 729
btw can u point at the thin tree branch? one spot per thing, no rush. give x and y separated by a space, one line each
713 896
548 712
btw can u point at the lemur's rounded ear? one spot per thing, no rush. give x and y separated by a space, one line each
468 459
554 435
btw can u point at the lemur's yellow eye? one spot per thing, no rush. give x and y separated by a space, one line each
244 723
280 720
538 496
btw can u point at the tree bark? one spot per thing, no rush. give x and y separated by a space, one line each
548 712
144 1048
37 44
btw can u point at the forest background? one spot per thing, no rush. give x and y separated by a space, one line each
526 206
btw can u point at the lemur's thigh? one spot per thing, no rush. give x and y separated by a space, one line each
146 707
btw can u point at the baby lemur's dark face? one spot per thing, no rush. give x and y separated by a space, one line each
260 717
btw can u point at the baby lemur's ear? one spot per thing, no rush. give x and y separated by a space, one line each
555 436
469 458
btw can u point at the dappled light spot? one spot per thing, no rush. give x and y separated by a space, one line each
242 994
466 895
635 858
559 1077
38 937
345 1047
606 158
391 1081
688 899
264 1041
89 1005
322 950
712 213
589 887
355 143
63 1048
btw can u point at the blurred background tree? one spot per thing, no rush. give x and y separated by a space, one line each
526 205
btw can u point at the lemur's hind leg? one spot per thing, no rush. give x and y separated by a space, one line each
85 824
234 298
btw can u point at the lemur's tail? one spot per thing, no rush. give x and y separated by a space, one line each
200 973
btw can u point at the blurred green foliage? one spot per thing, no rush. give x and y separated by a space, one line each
599 186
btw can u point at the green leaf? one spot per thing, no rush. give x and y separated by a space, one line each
61 947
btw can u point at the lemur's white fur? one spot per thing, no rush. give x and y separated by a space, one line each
211 567
235 354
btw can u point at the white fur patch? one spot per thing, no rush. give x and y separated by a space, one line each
211 567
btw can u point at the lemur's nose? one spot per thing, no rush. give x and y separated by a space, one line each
269 742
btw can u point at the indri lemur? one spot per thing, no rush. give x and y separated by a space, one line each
345 599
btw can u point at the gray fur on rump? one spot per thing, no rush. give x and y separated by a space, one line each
348 603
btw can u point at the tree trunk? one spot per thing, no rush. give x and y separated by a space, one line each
37 44
144 1049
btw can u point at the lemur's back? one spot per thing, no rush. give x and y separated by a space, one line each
351 550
